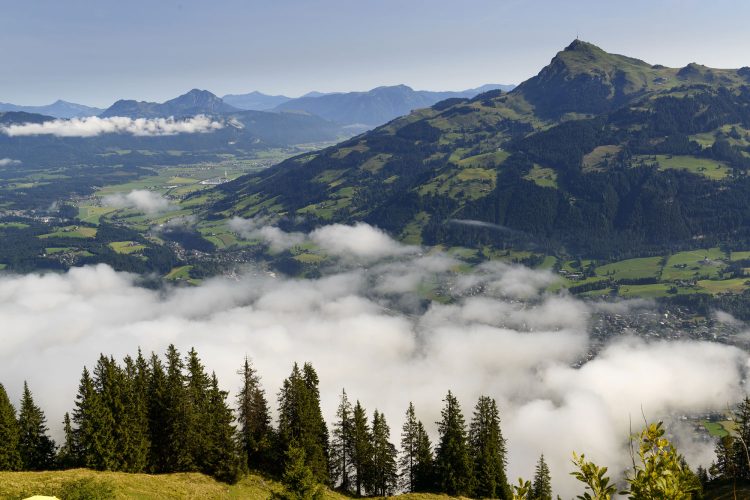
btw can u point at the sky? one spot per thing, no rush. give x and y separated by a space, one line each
97 52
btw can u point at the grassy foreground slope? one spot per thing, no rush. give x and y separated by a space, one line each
17 485
121 485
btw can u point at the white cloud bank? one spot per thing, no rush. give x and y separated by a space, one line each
141 200
93 126
8 162
360 241
523 353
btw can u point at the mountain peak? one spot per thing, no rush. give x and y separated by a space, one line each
579 45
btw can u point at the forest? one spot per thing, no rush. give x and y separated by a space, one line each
154 415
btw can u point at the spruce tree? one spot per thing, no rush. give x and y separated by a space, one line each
361 448
298 479
453 465
67 454
220 455
741 451
10 459
199 417
341 461
109 385
384 476
254 419
178 416
424 468
488 451
541 487
135 447
409 444
301 421
94 443
318 449
157 416
35 446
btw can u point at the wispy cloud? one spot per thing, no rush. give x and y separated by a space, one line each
93 126
144 201
7 162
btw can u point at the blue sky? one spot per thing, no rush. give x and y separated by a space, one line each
97 51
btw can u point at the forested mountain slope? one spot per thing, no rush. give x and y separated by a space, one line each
600 154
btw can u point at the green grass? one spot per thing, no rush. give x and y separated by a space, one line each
543 177
179 273
54 250
711 169
595 160
647 267
72 232
737 285
739 255
645 291
309 258
485 160
142 486
693 264
15 225
718 429
126 247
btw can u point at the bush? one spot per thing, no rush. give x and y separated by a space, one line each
86 489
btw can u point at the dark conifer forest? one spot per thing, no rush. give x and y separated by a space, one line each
168 414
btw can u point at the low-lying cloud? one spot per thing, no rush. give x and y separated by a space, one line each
9 162
360 241
368 330
141 200
93 126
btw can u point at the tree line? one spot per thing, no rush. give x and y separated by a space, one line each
161 415
166 415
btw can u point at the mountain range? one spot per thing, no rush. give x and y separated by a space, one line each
370 108
192 103
58 109
600 154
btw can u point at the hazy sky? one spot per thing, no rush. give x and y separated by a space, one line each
95 52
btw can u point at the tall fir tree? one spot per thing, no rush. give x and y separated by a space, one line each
199 417
221 459
10 459
301 421
741 451
453 465
254 418
178 416
341 445
319 457
488 451
135 447
361 448
541 487
67 453
409 447
424 468
384 475
35 446
157 416
109 386
94 442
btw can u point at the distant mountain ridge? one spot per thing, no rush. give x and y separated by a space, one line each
58 109
376 106
255 101
191 103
